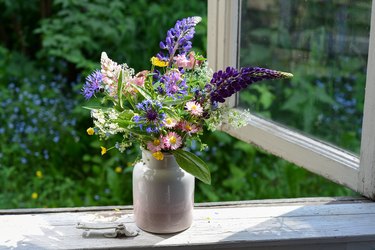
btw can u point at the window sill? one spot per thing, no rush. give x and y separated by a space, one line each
305 223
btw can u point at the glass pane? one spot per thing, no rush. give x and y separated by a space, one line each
325 45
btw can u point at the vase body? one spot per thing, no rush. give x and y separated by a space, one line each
163 195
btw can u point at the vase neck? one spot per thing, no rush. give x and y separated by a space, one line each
169 160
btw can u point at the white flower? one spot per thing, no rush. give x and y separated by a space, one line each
194 108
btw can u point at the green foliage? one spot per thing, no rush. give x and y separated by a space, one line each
193 165
241 171
80 30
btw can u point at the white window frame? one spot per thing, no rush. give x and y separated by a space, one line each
333 163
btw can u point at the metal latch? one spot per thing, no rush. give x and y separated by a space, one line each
120 229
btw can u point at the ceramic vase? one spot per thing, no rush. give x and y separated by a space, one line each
163 195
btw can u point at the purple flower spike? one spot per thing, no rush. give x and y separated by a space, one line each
178 38
226 83
93 84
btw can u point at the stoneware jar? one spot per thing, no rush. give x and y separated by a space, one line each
163 195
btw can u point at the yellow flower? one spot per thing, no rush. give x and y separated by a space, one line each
158 155
104 150
39 174
90 131
157 62
118 170
34 196
156 142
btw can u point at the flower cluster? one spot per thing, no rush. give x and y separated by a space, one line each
167 106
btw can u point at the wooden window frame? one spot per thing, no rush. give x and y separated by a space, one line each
333 163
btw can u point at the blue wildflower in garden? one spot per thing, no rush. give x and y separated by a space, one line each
93 84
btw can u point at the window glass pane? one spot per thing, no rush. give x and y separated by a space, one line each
325 45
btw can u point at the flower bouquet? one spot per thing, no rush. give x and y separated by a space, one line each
166 107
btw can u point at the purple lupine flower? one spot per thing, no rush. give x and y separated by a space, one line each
93 84
150 114
226 83
178 38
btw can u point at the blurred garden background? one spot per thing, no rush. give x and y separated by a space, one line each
47 47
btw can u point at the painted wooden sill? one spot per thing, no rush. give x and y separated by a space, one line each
305 223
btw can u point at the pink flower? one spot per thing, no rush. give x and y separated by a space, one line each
192 62
110 71
188 127
155 145
170 122
172 140
181 61
186 62
140 78
194 108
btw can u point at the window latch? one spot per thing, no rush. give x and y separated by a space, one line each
120 229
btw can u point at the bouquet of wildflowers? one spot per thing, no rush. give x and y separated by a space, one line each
166 107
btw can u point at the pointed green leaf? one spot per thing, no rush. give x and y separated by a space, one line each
171 113
193 165
147 95
170 101
119 89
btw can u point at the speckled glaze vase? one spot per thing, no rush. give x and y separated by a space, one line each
163 195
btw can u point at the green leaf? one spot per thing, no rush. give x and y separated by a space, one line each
171 113
126 114
95 107
193 165
170 101
146 94
119 89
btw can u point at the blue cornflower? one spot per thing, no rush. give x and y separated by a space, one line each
150 115
178 38
93 84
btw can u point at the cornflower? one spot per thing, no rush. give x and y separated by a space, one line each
150 115
93 84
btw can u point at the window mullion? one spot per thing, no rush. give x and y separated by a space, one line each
222 36
313 155
366 183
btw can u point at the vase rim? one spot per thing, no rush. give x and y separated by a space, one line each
164 153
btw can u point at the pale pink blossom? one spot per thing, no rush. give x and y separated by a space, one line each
181 61
110 71
194 108
140 78
155 145
170 122
186 62
172 141
192 61
188 127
